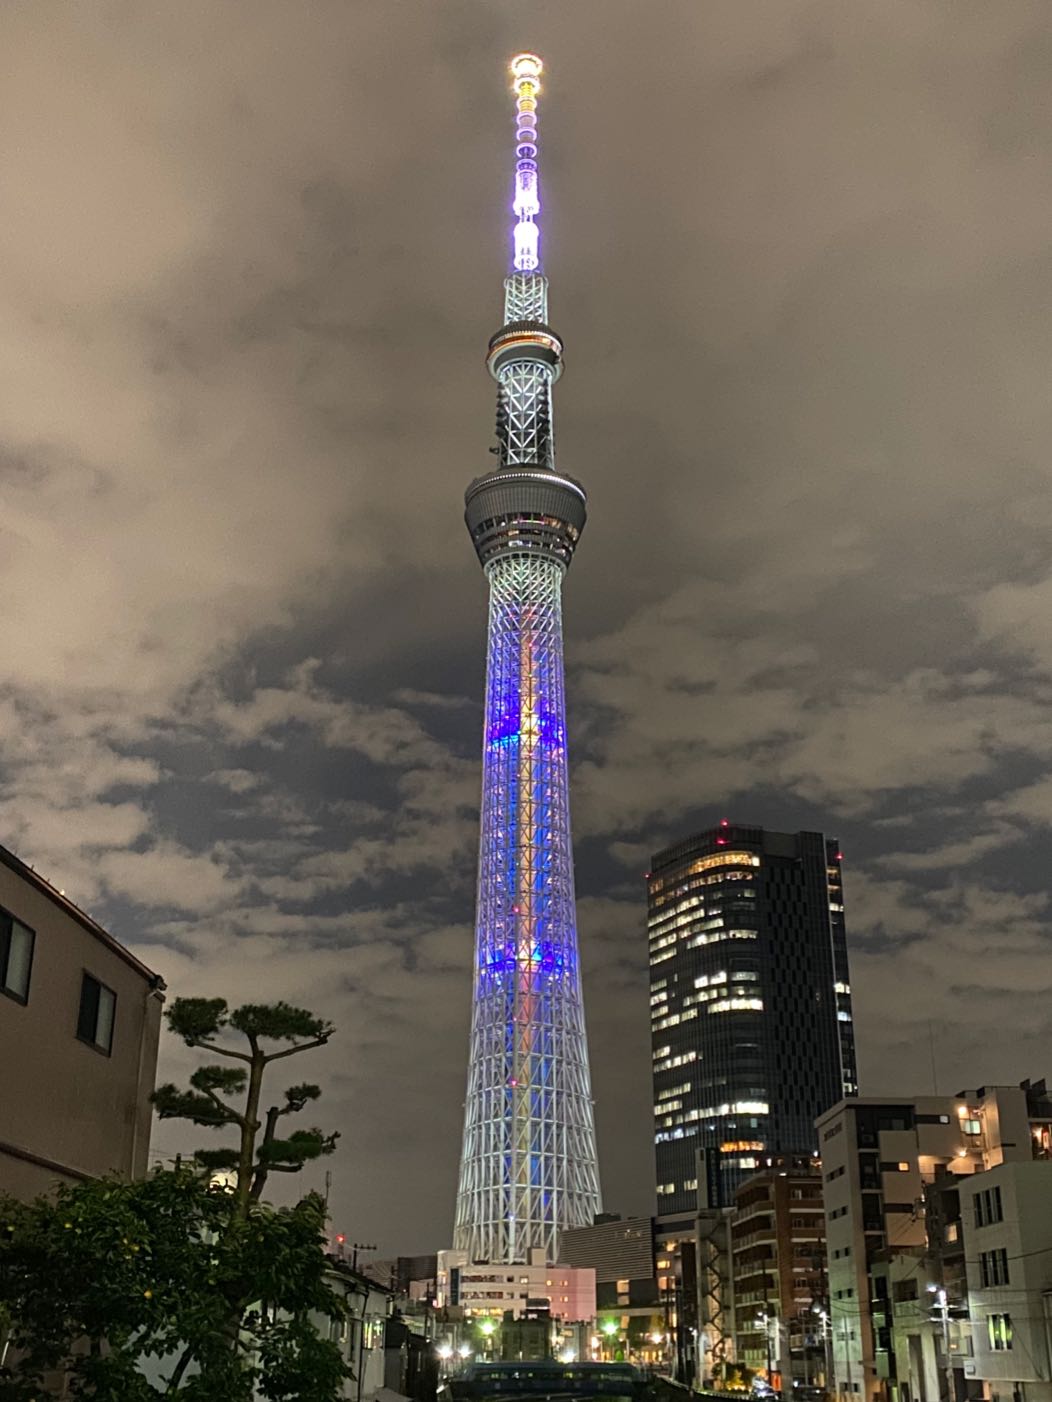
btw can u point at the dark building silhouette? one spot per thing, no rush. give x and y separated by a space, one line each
751 1027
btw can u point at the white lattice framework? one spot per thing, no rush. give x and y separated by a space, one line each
524 414
529 1160
525 298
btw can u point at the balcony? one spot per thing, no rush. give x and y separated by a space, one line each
762 1234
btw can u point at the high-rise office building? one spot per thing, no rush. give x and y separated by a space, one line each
750 999
528 1167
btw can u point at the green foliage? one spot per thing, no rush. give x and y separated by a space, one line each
289 1155
171 1103
196 1018
108 1276
280 1022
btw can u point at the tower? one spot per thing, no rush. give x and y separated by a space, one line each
528 1167
750 1004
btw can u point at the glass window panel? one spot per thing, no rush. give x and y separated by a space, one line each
19 961
104 1026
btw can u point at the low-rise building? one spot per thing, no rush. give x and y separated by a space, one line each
79 1027
361 1334
894 1179
482 1288
635 1303
1006 1215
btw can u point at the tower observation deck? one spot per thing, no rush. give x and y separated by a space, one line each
528 1167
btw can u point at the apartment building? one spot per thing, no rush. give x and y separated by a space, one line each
1006 1220
79 1028
777 1233
894 1175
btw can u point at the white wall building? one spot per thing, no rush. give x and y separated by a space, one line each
361 1335
480 1288
1006 1215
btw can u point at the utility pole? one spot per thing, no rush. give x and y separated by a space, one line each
359 1246
827 1348
847 1356
765 1322
943 1306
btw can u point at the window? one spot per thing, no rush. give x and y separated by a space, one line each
98 1006
16 957
993 1267
988 1207
999 1327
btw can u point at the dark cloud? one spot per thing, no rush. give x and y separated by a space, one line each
250 257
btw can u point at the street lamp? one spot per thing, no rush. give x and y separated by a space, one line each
609 1328
827 1346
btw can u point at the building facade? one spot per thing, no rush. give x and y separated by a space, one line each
481 1290
635 1302
777 1232
751 1027
621 1252
361 1334
528 1166
79 1028
1006 1217
898 1176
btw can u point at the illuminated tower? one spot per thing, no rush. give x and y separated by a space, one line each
528 1168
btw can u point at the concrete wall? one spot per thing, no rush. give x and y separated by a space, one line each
68 1110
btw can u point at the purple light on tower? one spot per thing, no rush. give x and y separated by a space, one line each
526 72
528 1168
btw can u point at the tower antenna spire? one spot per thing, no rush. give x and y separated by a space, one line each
526 70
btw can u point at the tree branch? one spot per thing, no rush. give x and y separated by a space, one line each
300 1046
228 1110
215 1047
180 1369
259 1177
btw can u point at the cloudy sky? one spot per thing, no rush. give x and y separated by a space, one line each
250 255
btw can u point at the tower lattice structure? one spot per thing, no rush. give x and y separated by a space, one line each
528 1168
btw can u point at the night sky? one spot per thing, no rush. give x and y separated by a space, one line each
250 256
